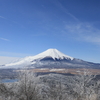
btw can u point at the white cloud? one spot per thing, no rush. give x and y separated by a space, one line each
4 59
2 17
71 15
65 10
4 39
84 32
13 54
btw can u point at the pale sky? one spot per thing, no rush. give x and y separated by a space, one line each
4 60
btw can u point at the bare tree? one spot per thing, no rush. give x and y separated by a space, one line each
27 87
24 89
57 87
55 90
83 88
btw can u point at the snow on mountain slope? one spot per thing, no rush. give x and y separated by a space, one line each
54 53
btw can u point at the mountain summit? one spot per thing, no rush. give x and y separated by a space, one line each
53 53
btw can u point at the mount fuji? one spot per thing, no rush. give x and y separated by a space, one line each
51 58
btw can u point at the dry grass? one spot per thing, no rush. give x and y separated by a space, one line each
71 71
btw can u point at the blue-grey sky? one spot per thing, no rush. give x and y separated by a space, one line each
28 27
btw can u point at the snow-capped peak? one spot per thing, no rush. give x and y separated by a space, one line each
54 53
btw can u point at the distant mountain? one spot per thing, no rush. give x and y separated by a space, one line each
51 58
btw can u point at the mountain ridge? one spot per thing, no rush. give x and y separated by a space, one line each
53 53
51 58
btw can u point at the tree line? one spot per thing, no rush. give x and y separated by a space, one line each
51 87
